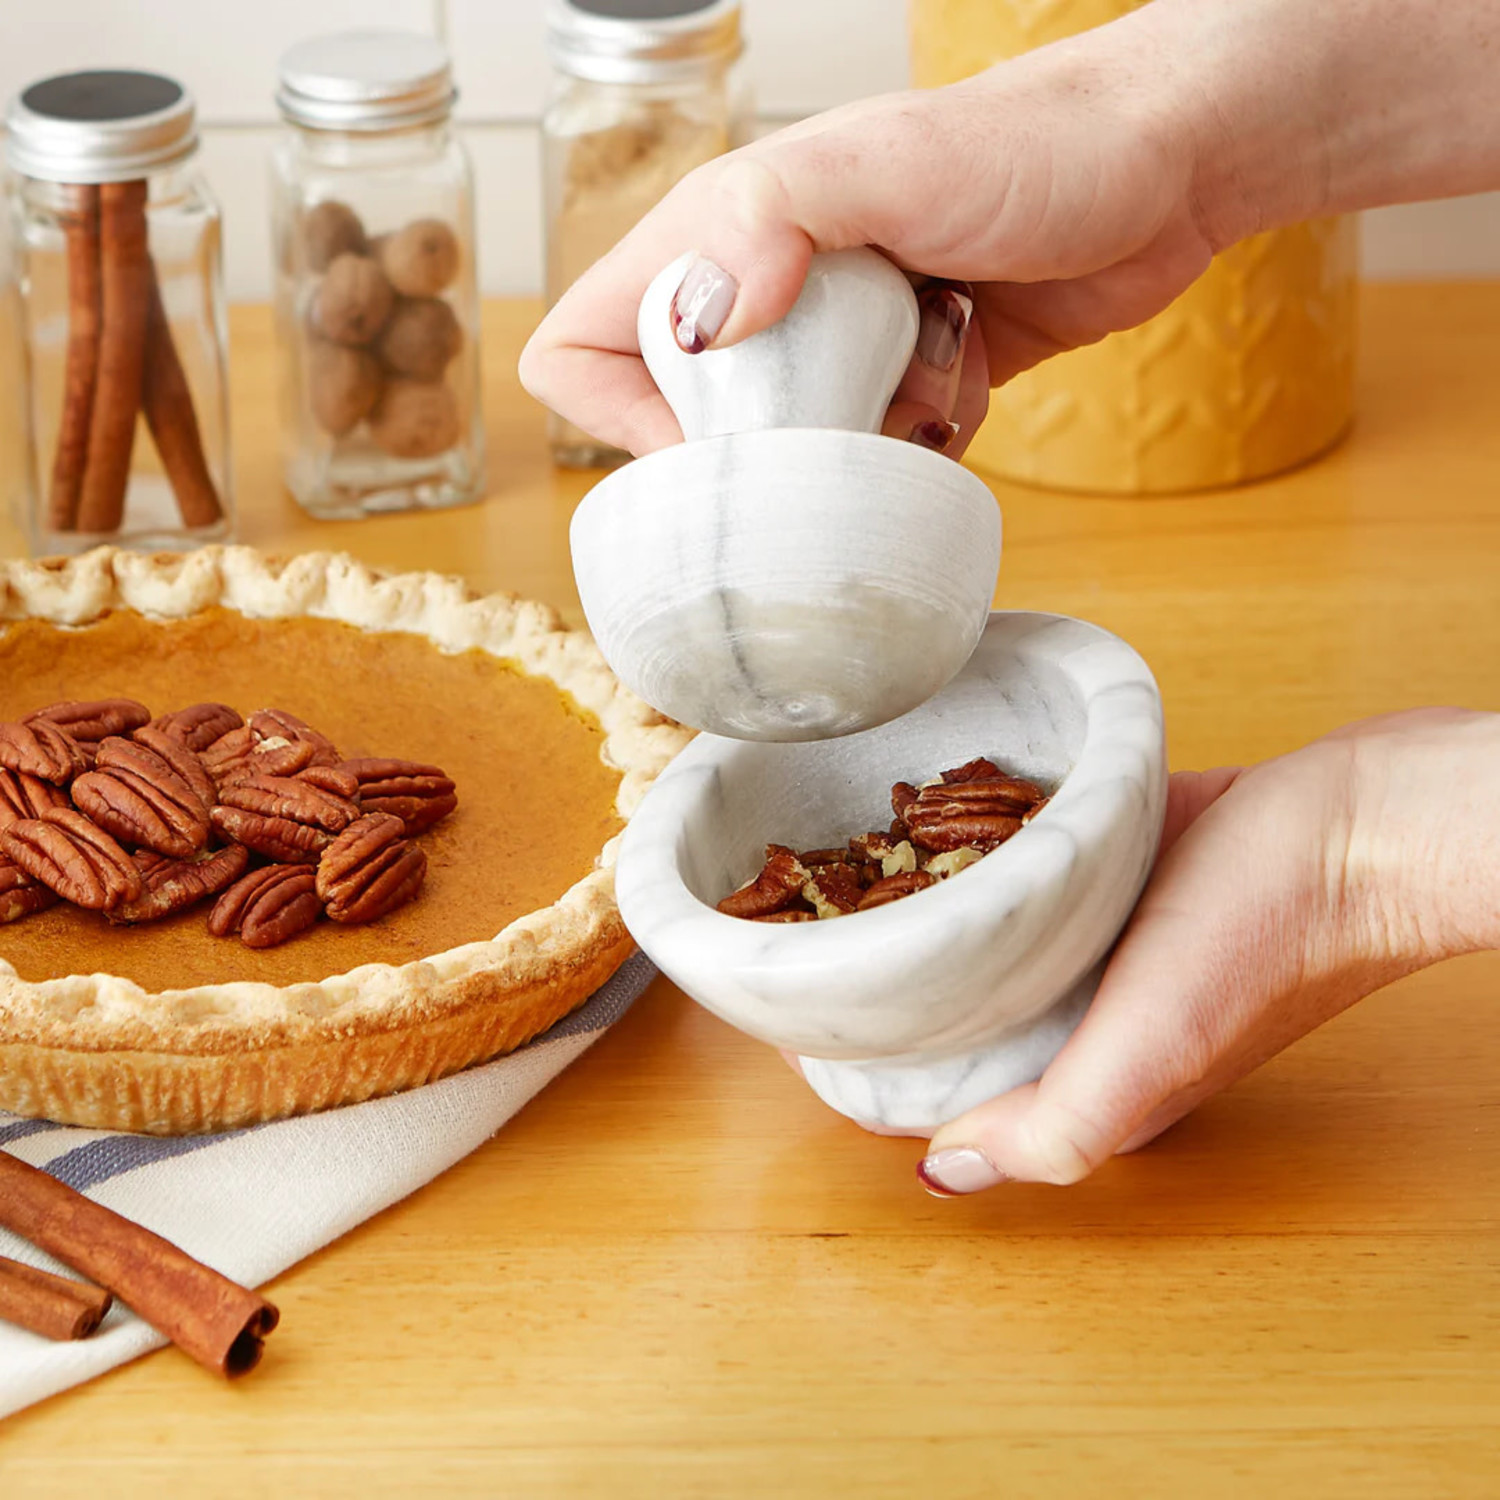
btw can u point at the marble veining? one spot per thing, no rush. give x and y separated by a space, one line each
909 1014
834 360
788 573
788 584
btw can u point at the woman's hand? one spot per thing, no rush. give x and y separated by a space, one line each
1051 198
1066 194
1282 895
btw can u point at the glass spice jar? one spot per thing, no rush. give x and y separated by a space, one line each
377 312
116 253
644 91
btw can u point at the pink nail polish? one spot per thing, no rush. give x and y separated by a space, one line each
958 1170
945 324
935 435
702 305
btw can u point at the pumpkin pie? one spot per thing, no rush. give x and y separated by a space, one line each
166 1028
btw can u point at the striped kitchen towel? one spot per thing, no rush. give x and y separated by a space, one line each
252 1202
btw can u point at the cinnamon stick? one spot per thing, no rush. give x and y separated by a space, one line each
81 227
52 1306
220 1324
125 282
168 404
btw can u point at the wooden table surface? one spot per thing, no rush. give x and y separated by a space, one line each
677 1274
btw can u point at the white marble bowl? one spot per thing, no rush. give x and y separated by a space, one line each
907 1015
787 584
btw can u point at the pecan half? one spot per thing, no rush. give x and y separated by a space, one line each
290 821
185 761
903 794
135 794
172 885
240 754
277 724
833 890
981 813
273 743
88 723
848 865
20 895
874 845
370 869
335 779
229 753
798 914
815 859
893 887
777 887
974 770
419 794
23 795
268 906
69 855
199 725
42 750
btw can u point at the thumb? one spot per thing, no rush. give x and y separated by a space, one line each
751 254
1147 1039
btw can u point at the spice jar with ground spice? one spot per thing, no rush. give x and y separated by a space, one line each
376 306
645 91
116 246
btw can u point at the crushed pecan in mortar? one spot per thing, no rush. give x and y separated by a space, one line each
940 828
104 807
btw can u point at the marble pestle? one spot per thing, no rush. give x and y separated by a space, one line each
787 573
834 360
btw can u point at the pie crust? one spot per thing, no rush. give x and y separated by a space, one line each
99 1050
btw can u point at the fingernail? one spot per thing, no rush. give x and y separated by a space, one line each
958 1170
934 434
945 322
701 307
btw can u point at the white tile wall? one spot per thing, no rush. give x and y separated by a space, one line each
499 58
225 51
508 185
803 55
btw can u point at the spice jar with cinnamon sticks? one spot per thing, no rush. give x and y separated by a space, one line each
117 257
377 311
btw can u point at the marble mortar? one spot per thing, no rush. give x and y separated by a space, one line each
907 1015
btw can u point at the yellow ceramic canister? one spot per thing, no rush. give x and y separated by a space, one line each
1250 371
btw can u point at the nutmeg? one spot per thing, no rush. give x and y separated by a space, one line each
331 229
343 385
415 419
353 301
420 259
420 337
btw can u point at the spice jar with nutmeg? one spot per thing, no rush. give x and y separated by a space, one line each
376 307
116 248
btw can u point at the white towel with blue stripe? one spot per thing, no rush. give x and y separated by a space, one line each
252 1202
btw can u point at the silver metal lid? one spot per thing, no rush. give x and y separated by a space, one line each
103 126
642 41
366 80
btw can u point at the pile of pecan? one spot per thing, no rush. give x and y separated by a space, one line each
107 808
940 828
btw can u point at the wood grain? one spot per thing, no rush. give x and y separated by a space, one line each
675 1274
